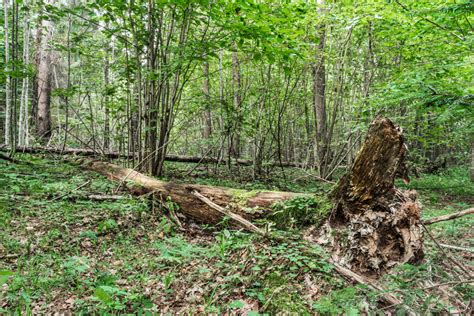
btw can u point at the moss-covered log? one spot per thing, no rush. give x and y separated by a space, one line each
375 225
250 205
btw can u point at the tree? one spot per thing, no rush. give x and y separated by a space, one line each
43 81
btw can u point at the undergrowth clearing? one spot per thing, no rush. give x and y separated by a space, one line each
61 251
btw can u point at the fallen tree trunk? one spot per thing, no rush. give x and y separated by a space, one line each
116 155
249 205
375 225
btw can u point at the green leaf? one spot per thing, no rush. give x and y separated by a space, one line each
236 304
102 295
4 275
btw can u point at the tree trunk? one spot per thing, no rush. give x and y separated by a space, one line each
131 155
206 133
237 104
472 161
8 103
23 126
43 112
319 91
374 225
249 206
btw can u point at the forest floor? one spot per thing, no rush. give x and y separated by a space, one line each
61 251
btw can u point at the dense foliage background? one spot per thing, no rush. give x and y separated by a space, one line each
268 81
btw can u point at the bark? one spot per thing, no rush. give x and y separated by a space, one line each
43 112
374 225
248 206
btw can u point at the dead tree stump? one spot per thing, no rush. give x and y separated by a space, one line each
374 225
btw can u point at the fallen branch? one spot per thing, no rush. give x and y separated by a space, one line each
460 266
456 248
97 197
362 280
448 217
66 194
116 155
239 219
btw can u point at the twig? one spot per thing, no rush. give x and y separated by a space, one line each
97 197
448 283
242 221
456 248
448 217
362 280
464 269
66 194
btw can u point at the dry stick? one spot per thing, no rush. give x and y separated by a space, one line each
98 197
448 283
66 194
340 269
242 221
448 217
456 248
362 280
468 273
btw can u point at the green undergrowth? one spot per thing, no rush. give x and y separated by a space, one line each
62 252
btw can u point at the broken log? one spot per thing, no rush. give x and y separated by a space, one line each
249 205
374 225
169 157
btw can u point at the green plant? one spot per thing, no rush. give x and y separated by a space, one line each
300 211
107 226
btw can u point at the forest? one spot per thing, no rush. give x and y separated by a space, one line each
247 157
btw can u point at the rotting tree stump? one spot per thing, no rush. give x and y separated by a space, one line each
374 225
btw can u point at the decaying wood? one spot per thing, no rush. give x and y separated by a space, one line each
448 217
239 219
249 205
100 197
116 155
375 226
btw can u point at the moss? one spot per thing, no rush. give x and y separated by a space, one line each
240 197
301 211
280 296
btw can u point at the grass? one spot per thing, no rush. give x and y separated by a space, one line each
60 251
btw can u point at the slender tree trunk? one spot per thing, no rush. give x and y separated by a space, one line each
8 103
319 91
106 103
23 126
68 83
207 131
236 138
43 111
472 161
